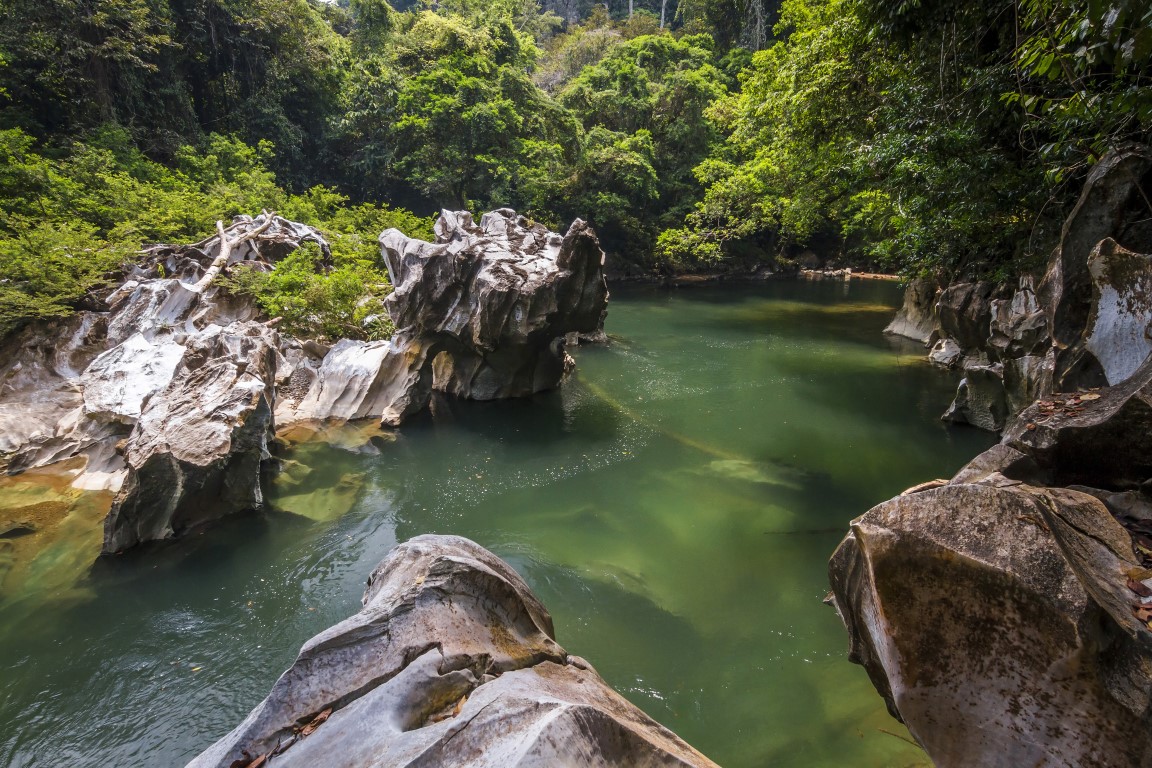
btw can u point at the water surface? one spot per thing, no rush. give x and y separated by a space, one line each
674 506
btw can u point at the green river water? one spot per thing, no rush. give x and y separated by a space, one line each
674 506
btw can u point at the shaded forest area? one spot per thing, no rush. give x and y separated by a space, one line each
915 136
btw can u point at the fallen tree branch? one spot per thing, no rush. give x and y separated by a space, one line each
226 247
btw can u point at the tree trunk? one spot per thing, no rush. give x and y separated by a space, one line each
663 8
629 8
225 252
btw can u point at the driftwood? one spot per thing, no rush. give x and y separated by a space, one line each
262 240
226 244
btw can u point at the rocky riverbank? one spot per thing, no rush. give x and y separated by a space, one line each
171 392
1082 323
1004 615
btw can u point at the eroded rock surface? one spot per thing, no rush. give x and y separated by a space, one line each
1086 323
992 645
165 395
451 662
1001 615
196 452
916 318
482 313
170 394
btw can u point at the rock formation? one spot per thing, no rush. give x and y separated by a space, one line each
451 662
1004 615
483 313
1084 324
173 391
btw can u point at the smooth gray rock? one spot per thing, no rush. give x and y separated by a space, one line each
964 311
980 398
451 662
946 353
1111 194
916 318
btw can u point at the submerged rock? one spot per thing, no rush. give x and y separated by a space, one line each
451 662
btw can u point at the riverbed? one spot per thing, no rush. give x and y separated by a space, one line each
674 505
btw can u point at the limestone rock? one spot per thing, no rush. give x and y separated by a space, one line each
482 314
76 387
964 311
1111 191
945 353
196 452
916 318
1119 330
451 662
980 398
991 615
1101 439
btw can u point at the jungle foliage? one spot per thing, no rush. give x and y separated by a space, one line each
943 136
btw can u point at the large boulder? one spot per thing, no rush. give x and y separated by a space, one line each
451 662
197 450
1101 438
916 318
1111 193
995 617
964 311
482 313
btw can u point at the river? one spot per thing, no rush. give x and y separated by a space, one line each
674 506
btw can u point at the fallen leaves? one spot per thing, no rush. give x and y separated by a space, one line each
1063 404
1138 584
315 723
299 732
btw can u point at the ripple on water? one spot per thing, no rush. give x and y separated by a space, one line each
674 507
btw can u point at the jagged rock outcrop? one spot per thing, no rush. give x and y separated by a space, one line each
1002 614
452 661
172 392
916 318
196 452
1088 321
167 393
482 313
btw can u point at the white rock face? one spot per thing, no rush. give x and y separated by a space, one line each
348 385
167 394
118 382
1119 332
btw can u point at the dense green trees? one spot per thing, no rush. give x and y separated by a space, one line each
920 135
917 135
68 223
